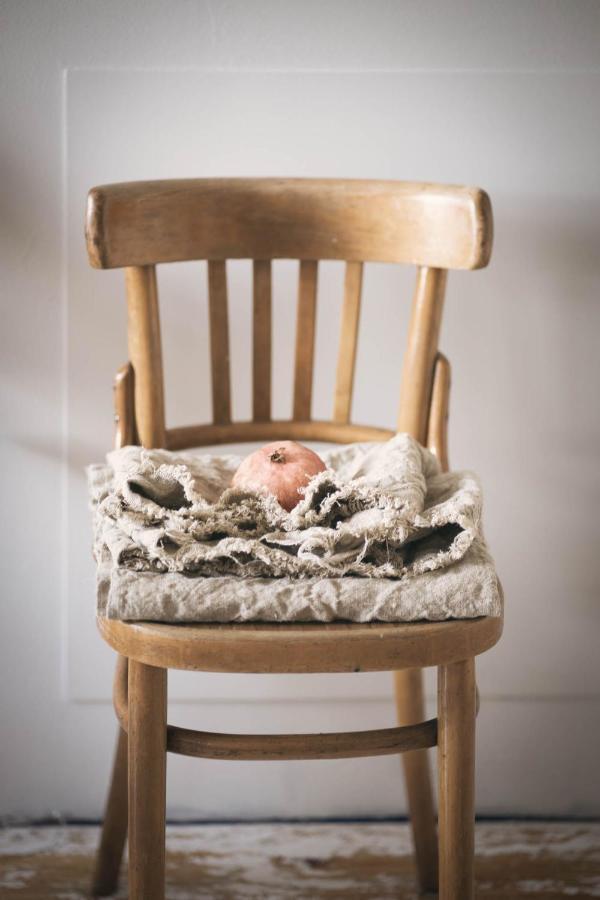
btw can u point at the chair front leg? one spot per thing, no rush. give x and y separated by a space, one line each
147 780
456 770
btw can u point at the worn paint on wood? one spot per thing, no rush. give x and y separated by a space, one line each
335 861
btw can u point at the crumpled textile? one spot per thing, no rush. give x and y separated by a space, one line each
381 521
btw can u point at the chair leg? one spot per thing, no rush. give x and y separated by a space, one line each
456 765
114 826
147 780
410 704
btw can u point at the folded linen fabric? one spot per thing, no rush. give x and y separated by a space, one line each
380 534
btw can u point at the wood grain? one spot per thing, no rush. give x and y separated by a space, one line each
333 745
199 435
410 708
145 354
147 222
147 780
311 647
124 406
261 341
306 323
219 341
107 864
421 350
456 774
437 425
344 383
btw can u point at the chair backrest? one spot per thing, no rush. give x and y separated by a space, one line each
138 225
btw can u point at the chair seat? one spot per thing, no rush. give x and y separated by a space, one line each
306 647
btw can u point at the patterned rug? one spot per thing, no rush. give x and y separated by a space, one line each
308 861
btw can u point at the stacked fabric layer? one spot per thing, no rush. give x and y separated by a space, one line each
381 534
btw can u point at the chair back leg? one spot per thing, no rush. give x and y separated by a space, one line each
410 705
114 826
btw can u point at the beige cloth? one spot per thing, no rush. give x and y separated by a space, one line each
380 535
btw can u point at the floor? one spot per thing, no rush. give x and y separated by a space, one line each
302 861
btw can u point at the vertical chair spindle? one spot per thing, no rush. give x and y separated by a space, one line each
219 341
261 341
344 384
305 339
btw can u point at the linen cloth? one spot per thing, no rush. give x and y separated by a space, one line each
381 534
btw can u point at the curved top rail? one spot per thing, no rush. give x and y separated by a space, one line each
147 222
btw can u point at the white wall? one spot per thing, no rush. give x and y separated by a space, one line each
504 95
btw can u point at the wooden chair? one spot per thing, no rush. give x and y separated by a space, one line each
141 224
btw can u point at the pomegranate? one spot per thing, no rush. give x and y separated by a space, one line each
280 468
